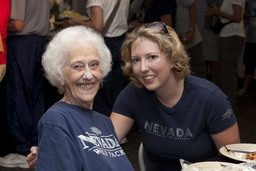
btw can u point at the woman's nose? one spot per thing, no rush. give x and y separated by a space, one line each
144 66
87 74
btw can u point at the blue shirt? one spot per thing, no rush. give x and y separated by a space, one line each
78 139
183 131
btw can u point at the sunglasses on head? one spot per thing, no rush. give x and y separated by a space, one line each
159 25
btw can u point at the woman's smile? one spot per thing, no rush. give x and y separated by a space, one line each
86 86
149 78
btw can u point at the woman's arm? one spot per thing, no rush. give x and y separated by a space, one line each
122 124
228 136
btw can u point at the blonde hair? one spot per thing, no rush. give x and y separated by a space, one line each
169 45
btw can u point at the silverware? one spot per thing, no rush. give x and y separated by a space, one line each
239 151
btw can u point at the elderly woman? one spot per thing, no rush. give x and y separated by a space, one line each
71 135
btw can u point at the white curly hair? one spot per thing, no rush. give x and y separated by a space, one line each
56 54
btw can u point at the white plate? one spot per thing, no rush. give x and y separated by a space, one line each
211 165
238 156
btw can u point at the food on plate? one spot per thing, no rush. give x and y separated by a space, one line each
72 14
251 156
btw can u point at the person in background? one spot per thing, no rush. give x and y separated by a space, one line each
210 43
200 13
71 135
184 113
164 10
137 13
136 8
186 27
4 16
144 11
231 44
28 28
99 11
250 46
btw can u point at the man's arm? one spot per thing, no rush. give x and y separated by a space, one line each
15 26
96 20
190 35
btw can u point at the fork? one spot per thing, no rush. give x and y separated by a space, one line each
239 151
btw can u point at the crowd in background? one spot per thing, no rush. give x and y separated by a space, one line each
25 93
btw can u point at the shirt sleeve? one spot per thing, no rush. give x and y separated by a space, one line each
125 102
220 114
57 151
91 3
18 8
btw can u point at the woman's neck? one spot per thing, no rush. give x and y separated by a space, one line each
73 102
171 94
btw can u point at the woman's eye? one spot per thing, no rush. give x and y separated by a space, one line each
135 60
152 57
77 66
94 64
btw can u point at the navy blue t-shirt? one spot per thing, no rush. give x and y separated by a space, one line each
78 139
183 131
158 8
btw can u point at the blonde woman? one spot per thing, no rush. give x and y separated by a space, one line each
180 116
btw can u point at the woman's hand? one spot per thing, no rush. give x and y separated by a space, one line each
32 157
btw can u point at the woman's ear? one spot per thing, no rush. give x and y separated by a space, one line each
62 82
170 63
61 78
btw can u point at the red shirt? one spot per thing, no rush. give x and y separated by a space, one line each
4 16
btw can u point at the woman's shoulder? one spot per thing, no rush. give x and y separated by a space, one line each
55 112
203 89
200 83
62 112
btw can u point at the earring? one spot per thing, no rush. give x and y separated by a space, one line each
101 85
